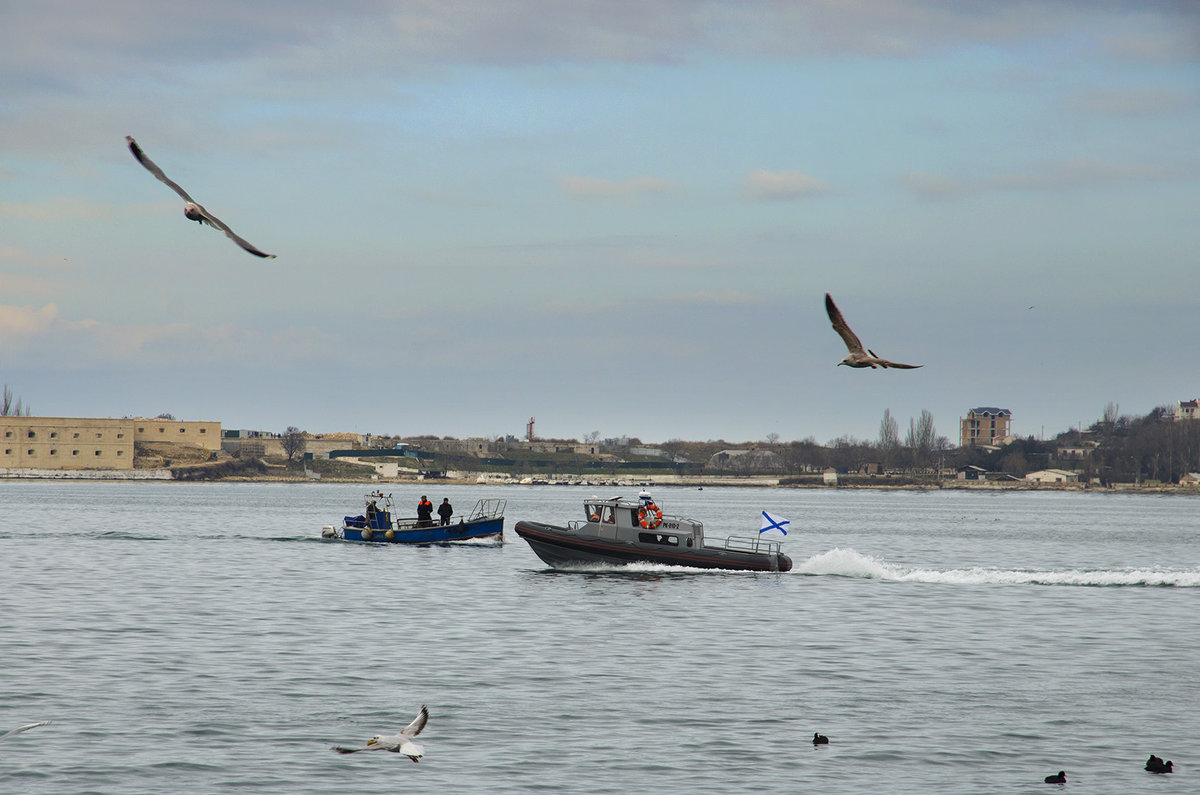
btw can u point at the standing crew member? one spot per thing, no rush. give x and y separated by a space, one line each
445 510
424 512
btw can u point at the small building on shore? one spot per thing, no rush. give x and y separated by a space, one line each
1053 476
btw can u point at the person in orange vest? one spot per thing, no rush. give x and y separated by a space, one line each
424 512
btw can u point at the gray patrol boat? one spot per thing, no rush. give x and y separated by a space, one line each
619 531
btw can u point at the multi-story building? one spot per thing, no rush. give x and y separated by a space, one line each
985 425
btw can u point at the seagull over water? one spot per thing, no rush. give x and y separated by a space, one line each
398 743
25 728
857 356
194 212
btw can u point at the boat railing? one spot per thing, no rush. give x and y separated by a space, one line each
488 508
762 546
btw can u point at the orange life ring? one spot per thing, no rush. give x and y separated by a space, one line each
649 516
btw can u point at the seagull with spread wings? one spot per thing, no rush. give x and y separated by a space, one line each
397 743
24 728
194 212
857 356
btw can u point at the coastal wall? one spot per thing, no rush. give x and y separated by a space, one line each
23 473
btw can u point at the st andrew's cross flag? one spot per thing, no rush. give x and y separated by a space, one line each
770 523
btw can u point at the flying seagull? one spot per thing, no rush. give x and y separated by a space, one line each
857 356
194 212
25 728
397 743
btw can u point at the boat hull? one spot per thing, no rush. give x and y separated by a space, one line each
562 548
434 534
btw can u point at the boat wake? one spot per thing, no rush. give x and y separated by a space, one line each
848 563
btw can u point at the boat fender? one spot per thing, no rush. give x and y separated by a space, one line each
328 532
366 534
649 516
389 534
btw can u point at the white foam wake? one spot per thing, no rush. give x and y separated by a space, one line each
848 563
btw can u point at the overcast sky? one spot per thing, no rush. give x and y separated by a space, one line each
611 216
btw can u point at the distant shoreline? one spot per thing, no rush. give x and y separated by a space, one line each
715 481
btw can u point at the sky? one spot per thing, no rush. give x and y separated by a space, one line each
618 217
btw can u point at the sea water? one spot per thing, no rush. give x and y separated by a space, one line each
203 638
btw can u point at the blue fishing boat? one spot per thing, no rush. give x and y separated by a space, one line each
378 524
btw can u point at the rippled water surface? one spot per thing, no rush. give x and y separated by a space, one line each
203 638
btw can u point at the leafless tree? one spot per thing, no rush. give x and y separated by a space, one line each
11 406
889 438
1111 412
920 439
293 441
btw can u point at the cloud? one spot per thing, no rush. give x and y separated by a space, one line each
931 186
58 46
1078 174
1081 173
783 185
56 209
25 321
1177 42
87 343
1143 102
578 187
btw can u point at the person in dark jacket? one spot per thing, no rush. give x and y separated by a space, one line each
445 510
424 512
